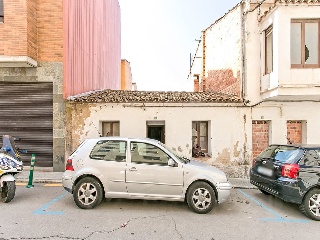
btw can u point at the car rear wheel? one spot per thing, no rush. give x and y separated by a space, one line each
201 197
88 193
311 204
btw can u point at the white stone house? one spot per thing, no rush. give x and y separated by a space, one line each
255 88
268 54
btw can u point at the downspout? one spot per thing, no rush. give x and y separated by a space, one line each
203 82
243 50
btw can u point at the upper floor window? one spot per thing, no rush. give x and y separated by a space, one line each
1 11
305 43
268 39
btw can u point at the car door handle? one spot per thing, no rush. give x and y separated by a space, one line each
133 169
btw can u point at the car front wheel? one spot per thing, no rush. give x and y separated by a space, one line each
311 204
201 197
88 193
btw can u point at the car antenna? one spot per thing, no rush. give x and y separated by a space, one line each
100 135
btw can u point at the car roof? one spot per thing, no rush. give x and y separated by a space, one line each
125 139
305 146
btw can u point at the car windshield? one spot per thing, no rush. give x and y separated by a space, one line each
180 158
284 154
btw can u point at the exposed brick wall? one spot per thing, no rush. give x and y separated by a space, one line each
260 137
223 81
50 30
13 32
32 49
294 132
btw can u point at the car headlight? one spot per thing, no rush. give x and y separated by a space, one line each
4 167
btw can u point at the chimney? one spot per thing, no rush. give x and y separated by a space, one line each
196 84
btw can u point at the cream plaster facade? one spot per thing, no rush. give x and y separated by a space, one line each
234 43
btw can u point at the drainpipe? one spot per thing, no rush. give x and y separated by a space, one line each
244 6
203 82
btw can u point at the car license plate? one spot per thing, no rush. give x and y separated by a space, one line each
265 171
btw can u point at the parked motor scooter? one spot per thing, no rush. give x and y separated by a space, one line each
10 165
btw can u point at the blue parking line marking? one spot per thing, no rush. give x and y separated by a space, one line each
277 218
42 210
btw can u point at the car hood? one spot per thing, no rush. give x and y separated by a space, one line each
205 168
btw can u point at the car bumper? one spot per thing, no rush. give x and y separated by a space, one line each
67 182
284 188
224 190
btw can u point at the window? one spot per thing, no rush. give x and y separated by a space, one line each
200 135
268 39
109 151
311 158
1 11
147 153
305 43
111 129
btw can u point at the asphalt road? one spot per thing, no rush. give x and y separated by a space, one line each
48 212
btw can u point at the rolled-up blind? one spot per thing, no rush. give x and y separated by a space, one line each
1 8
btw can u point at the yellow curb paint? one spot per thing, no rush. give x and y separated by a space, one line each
53 185
21 184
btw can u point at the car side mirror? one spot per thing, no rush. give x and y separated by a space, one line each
171 163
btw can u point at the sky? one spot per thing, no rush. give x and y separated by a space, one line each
158 36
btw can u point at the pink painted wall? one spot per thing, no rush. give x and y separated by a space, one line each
92 57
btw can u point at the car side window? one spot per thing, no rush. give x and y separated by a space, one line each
311 158
109 150
148 154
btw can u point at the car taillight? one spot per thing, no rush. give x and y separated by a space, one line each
69 165
290 170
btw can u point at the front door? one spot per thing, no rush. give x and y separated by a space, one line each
148 173
156 132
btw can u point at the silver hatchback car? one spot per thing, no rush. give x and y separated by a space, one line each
115 167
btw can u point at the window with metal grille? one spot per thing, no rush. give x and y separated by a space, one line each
305 41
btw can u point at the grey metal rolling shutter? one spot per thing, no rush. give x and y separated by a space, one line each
26 112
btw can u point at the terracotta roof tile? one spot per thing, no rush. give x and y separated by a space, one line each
120 96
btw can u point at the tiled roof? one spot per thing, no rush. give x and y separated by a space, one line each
297 1
287 2
120 96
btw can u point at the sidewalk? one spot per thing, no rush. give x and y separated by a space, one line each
46 175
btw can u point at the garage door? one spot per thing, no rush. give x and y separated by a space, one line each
26 112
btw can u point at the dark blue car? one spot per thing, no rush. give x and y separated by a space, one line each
292 173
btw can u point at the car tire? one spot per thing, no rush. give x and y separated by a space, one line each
201 197
264 192
310 205
8 191
88 193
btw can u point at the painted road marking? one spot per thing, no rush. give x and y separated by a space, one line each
53 185
44 184
277 218
42 210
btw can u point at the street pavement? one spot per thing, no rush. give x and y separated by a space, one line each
46 175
